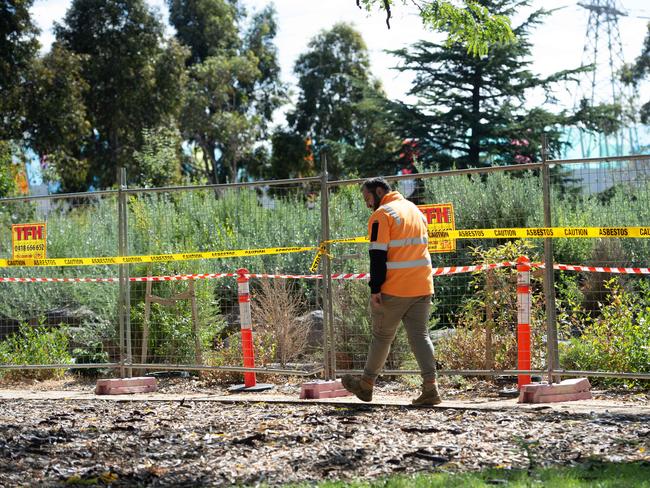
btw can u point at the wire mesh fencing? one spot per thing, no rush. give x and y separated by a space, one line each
60 315
603 288
180 308
263 229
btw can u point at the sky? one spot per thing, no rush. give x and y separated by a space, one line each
557 44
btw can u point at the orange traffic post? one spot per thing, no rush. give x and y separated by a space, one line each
523 320
246 322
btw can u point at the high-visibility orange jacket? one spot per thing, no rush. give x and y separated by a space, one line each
400 264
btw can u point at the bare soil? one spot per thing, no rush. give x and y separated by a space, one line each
182 439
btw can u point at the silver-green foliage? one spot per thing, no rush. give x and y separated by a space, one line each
618 338
35 345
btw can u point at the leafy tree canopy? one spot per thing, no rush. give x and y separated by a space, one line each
473 24
207 27
57 125
18 47
473 111
338 104
134 74
234 83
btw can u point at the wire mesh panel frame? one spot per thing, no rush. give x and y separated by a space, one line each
330 358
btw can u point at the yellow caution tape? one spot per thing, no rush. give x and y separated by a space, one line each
153 258
323 249
542 232
527 233
531 233
316 261
347 240
434 234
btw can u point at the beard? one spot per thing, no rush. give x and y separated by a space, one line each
376 200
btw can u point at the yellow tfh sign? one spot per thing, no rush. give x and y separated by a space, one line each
440 217
29 241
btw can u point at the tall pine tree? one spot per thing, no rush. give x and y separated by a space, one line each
472 111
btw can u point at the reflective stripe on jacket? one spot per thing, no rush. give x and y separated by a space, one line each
399 228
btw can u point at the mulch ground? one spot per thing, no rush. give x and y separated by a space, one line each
45 442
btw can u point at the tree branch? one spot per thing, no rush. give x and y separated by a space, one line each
388 12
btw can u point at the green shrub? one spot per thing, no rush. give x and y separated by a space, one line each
618 338
171 328
466 348
33 346
90 353
171 334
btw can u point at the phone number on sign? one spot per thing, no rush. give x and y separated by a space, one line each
30 247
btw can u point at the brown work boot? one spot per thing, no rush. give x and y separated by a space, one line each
430 395
360 386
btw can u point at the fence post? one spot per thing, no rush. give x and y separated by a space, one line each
246 322
523 319
329 340
489 318
124 298
553 360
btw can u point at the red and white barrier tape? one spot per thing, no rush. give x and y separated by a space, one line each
470 269
187 277
601 269
203 276
335 276
448 270
58 280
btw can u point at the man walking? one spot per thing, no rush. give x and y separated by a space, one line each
401 286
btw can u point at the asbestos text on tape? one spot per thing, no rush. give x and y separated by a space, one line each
542 232
153 258
434 233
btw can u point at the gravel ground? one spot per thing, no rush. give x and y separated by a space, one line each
209 443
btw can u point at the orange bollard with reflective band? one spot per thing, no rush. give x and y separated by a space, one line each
247 347
523 319
246 322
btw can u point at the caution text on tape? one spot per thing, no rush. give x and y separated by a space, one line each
152 258
536 232
526 233
542 232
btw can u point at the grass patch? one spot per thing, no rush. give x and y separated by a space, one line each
592 474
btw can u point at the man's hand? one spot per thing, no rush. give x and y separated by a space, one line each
375 299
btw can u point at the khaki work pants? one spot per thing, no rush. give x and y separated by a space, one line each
414 312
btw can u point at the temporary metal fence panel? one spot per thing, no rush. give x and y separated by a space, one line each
186 313
60 315
474 317
196 323
603 303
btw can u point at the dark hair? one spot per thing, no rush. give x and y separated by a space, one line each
372 184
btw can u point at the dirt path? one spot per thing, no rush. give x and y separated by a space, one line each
174 438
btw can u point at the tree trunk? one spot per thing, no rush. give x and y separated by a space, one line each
210 161
474 151
233 170
113 142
